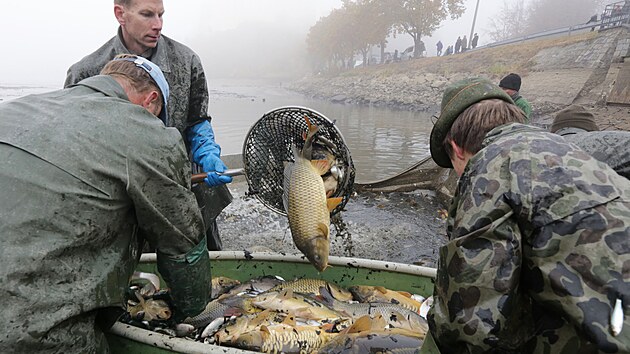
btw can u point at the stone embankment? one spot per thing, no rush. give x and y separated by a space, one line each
556 72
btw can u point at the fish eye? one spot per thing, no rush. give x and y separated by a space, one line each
317 257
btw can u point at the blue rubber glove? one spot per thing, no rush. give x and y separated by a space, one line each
207 153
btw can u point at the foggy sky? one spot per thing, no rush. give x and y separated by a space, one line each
41 39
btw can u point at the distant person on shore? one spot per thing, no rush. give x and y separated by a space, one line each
448 51
512 85
140 33
474 41
537 257
458 45
464 44
396 58
577 125
439 46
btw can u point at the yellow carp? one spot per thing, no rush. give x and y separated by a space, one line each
283 338
365 293
305 202
299 305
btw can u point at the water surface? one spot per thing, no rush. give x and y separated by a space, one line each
382 141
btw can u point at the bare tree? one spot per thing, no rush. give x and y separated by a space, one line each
421 17
510 21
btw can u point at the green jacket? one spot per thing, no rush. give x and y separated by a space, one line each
188 99
84 172
538 253
523 105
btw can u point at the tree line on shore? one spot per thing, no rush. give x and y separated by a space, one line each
358 25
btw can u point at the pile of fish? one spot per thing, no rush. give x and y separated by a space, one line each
308 184
270 315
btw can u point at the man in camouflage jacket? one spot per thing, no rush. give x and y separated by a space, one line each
539 252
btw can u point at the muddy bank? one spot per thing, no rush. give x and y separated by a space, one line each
399 227
556 73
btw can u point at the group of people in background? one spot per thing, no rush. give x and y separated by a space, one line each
461 45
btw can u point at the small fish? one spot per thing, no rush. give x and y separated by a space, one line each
246 323
214 326
214 309
305 202
256 286
334 174
364 293
149 309
616 319
221 285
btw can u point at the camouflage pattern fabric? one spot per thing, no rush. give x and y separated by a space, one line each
84 172
188 100
610 147
539 251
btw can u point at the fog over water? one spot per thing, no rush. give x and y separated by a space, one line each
236 38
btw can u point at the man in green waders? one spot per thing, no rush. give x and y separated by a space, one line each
85 170
539 236
140 33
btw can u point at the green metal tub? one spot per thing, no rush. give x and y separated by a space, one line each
345 272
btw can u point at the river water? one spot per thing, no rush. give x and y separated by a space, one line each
382 141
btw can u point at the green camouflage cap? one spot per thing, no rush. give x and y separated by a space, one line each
458 97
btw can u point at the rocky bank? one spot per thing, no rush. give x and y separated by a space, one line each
577 68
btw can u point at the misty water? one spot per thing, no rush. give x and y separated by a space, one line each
382 141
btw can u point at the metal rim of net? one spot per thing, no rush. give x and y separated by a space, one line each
268 145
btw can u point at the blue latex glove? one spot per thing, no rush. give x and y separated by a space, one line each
207 153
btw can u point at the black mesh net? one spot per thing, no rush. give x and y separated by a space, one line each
268 145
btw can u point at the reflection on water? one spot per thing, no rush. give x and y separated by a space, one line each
382 141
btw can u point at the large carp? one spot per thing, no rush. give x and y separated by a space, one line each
305 202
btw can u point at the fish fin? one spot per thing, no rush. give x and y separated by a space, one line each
325 229
379 322
312 128
260 317
321 166
289 320
332 203
381 289
326 296
265 332
405 294
362 324
286 293
307 150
